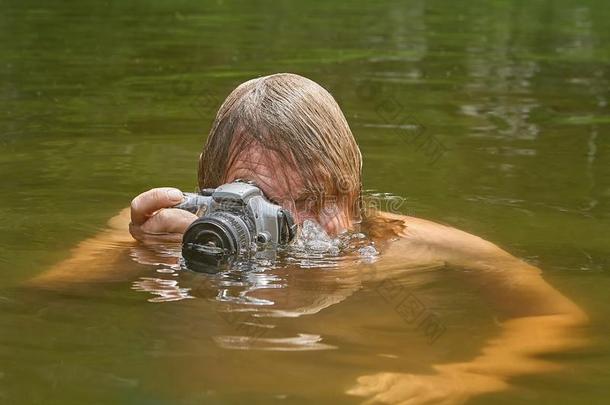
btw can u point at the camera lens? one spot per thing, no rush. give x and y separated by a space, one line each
213 240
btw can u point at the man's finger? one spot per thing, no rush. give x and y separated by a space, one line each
168 221
149 202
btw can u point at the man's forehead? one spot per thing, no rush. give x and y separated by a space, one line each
270 169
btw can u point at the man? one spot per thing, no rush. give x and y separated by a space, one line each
289 136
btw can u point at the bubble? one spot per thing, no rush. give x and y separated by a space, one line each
368 251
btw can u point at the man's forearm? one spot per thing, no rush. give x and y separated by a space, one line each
522 340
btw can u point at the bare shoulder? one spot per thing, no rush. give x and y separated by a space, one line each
444 239
121 220
117 229
89 260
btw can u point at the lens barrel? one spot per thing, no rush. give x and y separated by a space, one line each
215 239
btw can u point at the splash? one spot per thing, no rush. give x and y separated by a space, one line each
312 238
313 247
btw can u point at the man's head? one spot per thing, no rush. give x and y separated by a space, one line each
288 135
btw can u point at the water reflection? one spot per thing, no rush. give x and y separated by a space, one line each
315 272
301 342
166 290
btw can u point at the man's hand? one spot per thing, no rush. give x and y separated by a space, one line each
154 221
446 388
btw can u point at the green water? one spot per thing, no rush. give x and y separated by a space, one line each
102 100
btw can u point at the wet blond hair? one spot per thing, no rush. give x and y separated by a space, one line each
295 117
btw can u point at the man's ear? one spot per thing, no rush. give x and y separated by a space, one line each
200 156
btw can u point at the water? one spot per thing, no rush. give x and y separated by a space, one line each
103 100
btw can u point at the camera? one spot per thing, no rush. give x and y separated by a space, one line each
235 220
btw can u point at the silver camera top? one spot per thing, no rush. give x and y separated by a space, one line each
236 191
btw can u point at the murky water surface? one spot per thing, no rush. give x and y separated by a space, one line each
489 116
